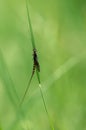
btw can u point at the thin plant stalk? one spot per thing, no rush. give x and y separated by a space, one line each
9 87
37 72
30 26
40 87
33 46
28 86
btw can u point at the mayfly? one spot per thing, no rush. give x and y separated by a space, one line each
36 65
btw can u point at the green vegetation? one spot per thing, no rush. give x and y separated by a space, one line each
59 28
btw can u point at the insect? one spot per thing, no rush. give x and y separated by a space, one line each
35 66
35 59
35 63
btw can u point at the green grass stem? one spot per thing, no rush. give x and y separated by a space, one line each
38 76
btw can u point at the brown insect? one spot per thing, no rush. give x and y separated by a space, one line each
35 66
35 60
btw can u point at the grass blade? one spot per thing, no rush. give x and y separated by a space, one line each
50 120
26 90
10 88
31 30
7 81
38 77
33 46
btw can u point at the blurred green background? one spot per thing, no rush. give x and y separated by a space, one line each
59 28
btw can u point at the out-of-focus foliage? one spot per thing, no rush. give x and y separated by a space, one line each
59 28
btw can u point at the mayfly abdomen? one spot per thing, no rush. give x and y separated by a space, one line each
34 67
35 58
